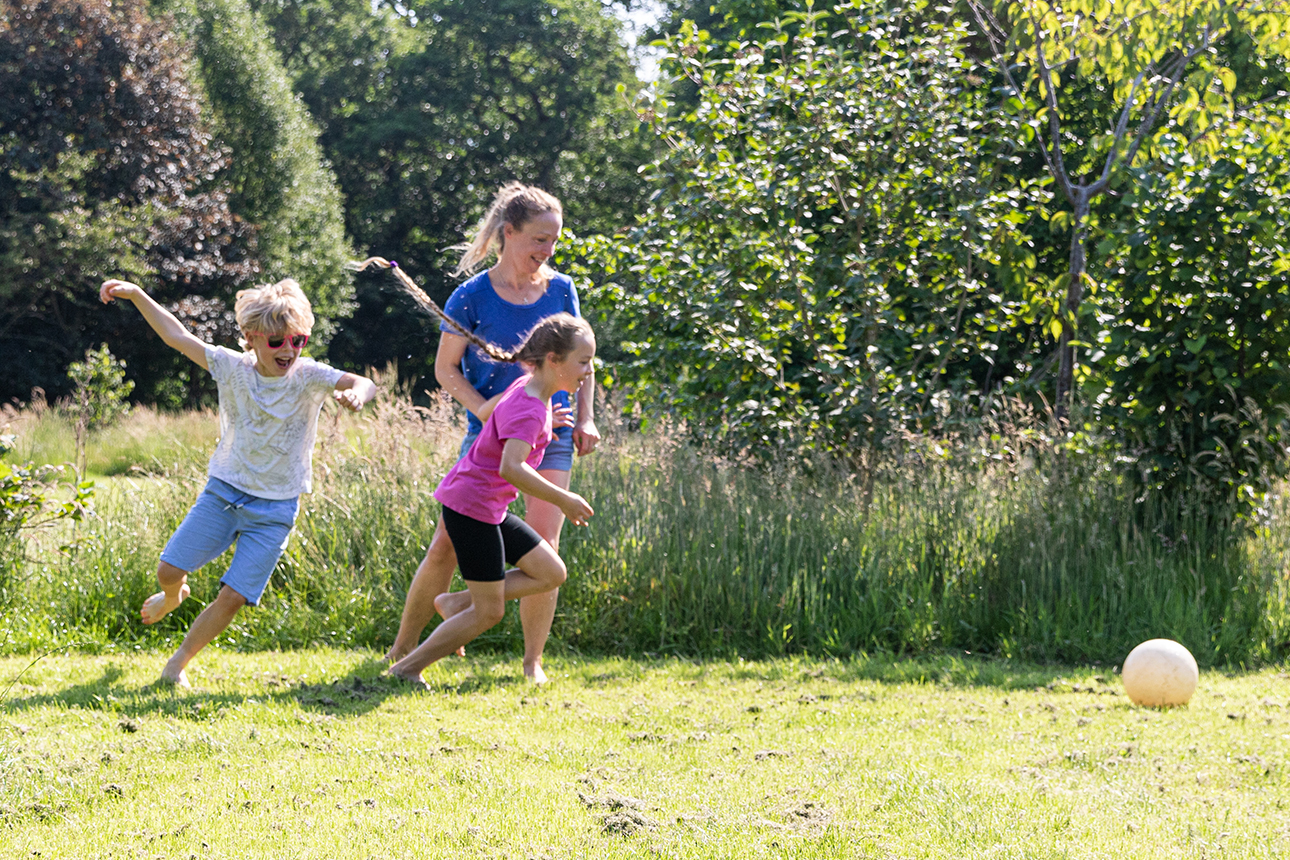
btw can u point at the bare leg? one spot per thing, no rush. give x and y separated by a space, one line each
433 578
211 623
174 591
537 611
540 570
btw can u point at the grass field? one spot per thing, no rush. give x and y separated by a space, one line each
309 754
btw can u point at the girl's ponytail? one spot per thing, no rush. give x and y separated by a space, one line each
557 333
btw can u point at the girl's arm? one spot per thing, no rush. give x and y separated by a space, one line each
447 372
163 322
526 479
354 391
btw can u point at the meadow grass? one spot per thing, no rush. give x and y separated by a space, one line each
310 754
987 545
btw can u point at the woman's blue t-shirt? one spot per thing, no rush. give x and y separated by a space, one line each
476 305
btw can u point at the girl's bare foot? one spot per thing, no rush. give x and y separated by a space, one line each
395 654
160 605
451 603
535 674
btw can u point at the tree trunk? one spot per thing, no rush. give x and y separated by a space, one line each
1074 294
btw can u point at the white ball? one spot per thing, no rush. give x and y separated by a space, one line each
1160 672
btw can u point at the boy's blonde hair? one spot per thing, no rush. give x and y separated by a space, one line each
273 309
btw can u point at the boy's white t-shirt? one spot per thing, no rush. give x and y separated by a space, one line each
267 424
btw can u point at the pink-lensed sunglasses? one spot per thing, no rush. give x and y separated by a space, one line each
275 341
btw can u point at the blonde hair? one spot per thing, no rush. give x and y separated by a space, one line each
273 309
515 204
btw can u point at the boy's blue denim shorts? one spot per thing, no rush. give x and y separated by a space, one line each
558 454
224 514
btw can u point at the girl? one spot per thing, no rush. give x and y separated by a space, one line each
500 305
501 464
269 399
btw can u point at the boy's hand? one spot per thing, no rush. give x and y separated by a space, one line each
349 399
576 509
114 289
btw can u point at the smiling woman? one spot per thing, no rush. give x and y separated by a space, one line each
503 304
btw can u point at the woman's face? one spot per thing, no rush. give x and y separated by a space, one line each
528 247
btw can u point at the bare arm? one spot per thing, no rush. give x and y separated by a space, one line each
354 391
163 322
585 434
527 480
447 372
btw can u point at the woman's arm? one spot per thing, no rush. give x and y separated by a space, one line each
163 322
585 434
447 372
528 480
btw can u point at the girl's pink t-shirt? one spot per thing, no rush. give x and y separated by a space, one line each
473 487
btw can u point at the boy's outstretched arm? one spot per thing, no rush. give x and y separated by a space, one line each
354 391
163 322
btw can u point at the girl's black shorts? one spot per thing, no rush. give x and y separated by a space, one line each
484 550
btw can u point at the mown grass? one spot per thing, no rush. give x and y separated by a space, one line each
996 544
308 754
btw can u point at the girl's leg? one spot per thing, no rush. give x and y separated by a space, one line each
487 605
537 611
481 607
174 591
211 623
433 578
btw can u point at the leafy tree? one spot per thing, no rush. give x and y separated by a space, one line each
1191 361
818 261
278 178
101 388
106 170
1156 58
443 103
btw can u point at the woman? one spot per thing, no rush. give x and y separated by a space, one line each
501 305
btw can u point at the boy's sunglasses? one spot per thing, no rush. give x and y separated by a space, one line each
275 341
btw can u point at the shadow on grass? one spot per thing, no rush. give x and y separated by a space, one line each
359 691
363 687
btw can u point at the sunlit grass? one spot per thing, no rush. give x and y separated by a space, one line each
308 754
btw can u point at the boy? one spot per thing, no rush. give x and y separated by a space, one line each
269 400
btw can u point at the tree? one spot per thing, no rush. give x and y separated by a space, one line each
1193 353
1157 58
445 102
818 260
278 178
106 170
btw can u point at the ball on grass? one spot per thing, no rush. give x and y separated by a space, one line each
1160 672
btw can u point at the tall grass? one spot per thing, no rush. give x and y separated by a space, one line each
1013 550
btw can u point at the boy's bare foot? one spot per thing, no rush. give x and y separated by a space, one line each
179 679
160 604
416 682
535 674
